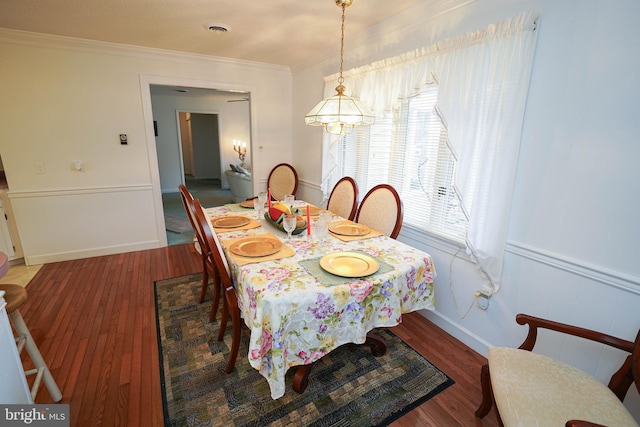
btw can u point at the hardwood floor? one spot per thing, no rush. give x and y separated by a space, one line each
94 322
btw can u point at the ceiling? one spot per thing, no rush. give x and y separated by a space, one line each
194 92
282 32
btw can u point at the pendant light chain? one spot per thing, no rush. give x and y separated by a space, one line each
341 79
340 114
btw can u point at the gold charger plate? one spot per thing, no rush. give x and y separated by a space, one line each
313 210
230 221
349 229
256 246
349 264
247 204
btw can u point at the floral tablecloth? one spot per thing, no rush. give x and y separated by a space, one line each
295 319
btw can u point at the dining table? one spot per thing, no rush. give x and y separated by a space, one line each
303 297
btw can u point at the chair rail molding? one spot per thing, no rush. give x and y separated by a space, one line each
78 191
628 283
603 275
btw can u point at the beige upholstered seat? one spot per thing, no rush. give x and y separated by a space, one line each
283 180
343 200
531 389
381 209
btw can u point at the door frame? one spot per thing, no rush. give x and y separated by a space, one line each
220 152
146 81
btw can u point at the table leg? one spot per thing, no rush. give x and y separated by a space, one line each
376 344
301 378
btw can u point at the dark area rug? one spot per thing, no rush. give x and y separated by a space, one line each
348 387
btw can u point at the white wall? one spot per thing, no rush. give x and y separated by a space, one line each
67 99
571 253
234 120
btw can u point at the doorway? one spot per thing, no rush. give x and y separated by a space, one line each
200 144
165 154
194 129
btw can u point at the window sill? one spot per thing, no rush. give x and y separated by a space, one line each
418 238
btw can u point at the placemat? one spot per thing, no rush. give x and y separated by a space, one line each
235 207
313 267
285 252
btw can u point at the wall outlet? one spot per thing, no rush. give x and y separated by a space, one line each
482 298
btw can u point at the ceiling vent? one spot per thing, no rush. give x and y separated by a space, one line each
218 28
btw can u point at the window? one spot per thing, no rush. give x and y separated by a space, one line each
481 81
407 149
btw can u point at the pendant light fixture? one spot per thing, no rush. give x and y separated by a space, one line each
340 114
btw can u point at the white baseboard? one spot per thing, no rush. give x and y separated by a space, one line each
88 253
467 337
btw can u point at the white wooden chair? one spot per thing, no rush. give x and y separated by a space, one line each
15 296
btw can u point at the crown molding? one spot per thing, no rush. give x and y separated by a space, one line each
392 27
49 41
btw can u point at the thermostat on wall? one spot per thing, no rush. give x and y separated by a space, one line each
123 138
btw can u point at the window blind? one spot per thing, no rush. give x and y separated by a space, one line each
408 150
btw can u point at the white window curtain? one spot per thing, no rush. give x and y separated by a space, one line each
483 82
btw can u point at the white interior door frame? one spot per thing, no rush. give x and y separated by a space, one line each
152 153
192 111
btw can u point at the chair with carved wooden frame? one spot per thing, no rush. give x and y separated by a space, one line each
230 301
533 389
283 180
207 265
343 200
382 210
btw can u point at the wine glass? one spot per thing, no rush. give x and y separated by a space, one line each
258 206
262 196
324 216
320 231
289 224
289 199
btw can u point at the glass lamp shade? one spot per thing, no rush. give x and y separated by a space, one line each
339 114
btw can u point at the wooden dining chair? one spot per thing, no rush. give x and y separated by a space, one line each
343 200
205 251
230 301
381 209
532 389
283 180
